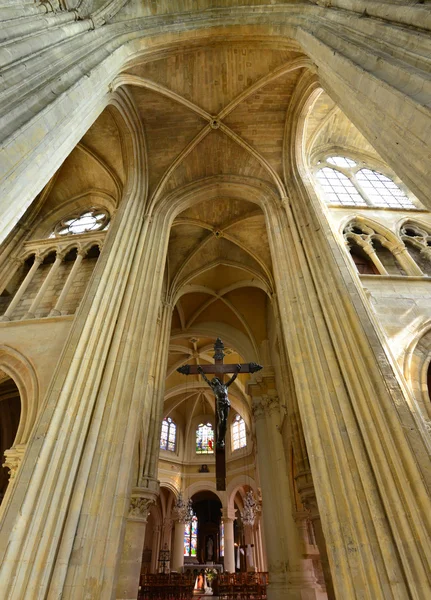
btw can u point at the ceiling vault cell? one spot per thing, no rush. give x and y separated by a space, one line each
213 121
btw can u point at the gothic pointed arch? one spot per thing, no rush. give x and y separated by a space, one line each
16 366
417 370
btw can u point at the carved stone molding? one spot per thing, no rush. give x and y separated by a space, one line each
140 507
263 405
141 502
13 458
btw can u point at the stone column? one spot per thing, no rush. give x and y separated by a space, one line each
22 288
290 575
305 486
262 549
406 261
369 250
250 561
155 549
131 559
359 448
321 544
13 265
152 425
64 527
48 279
56 311
167 534
177 555
228 517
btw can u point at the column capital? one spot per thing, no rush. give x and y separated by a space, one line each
228 514
368 248
264 405
60 254
13 458
140 503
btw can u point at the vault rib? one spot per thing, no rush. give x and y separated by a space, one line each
137 81
100 161
293 65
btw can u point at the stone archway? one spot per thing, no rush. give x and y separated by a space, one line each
10 413
19 390
417 371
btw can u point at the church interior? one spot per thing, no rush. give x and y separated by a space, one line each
193 182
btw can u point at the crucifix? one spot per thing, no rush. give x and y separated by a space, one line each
221 399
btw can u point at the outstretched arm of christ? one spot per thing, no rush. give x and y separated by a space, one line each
200 370
234 376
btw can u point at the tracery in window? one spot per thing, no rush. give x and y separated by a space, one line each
191 537
418 243
341 161
239 439
92 219
371 251
205 439
347 182
168 436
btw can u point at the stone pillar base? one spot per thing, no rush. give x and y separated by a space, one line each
282 591
295 585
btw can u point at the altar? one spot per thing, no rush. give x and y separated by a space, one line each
203 584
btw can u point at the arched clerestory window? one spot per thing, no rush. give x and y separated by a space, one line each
205 439
168 436
239 437
347 182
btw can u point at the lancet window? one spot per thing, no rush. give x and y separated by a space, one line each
168 437
347 182
205 439
222 539
191 537
239 438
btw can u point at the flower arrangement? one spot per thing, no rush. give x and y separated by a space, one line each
210 574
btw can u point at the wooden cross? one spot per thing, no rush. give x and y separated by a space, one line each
219 369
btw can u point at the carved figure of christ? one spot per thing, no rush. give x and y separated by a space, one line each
221 399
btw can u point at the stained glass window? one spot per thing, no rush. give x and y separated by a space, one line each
222 539
239 439
168 436
205 439
382 191
191 537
